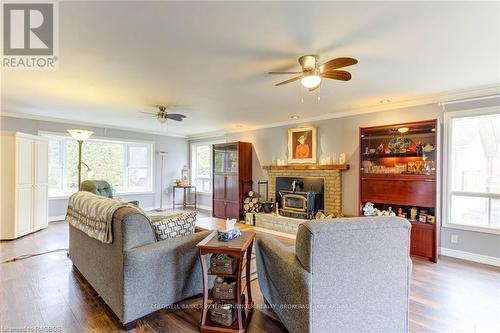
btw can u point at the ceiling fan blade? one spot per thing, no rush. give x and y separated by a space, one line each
337 75
289 80
176 118
337 63
285 73
149 113
176 115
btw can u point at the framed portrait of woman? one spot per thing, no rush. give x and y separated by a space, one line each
302 145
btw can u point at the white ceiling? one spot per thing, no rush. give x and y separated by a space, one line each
117 59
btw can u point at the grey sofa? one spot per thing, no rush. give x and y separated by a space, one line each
135 274
343 275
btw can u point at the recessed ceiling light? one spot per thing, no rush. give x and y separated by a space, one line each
294 116
384 101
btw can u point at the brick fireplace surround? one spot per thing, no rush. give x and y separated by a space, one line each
332 175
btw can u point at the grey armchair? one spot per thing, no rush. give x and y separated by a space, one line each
102 188
343 275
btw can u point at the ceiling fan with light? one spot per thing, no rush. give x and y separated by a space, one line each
162 115
312 72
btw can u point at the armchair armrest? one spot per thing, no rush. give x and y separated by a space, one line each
172 246
276 264
161 273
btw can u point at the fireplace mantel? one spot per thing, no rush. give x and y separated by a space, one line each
341 167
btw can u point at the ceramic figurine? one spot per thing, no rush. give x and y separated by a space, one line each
400 211
428 148
369 209
380 148
391 213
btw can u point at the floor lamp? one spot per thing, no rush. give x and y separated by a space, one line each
162 155
80 136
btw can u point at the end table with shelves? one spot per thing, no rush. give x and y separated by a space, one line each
185 189
240 249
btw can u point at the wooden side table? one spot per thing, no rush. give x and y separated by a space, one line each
184 203
240 249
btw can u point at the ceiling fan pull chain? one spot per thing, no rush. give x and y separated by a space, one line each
319 93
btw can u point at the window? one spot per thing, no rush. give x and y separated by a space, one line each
473 171
127 166
201 166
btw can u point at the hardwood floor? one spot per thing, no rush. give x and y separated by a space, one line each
452 296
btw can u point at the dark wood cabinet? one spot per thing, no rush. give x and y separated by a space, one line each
232 178
398 169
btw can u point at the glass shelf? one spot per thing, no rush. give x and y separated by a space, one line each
399 149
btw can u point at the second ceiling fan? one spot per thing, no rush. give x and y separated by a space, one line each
312 72
162 114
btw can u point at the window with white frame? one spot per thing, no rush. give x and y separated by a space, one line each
127 166
201 166
473 172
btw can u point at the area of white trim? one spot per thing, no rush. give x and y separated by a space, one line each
204 207
116 194
44 134
446 184
85 123
470 228
430 99
56 218
480 258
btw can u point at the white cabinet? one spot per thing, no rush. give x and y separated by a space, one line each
40 205
23 184
24 212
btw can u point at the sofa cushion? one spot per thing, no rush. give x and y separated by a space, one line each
172 226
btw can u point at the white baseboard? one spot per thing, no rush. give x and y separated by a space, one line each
480 258
56 218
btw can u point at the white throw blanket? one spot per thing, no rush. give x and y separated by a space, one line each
93 214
